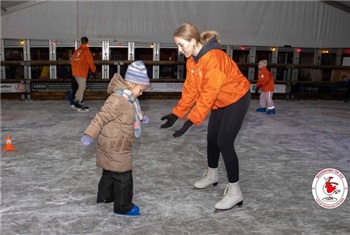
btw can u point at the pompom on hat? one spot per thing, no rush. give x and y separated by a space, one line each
263 63
137 73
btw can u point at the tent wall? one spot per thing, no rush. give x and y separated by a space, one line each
260 23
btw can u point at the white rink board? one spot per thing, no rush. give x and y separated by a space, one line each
165 87
177 87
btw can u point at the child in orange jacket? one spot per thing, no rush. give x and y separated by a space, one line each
266 83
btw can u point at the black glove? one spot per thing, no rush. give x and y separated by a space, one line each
171 120
185 127
92 75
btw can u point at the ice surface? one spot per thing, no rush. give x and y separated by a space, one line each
49 184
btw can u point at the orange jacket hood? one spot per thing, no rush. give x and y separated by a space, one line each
215 81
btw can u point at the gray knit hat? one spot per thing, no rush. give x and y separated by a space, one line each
137 73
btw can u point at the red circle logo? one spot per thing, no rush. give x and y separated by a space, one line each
329 188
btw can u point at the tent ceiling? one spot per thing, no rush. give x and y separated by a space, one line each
342 5
7 4
10 6
276 23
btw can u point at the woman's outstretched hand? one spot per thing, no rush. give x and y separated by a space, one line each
171 119
184 128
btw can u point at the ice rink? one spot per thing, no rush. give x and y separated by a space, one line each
49 183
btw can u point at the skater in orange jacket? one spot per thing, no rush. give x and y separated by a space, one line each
214 85
266 84
82 62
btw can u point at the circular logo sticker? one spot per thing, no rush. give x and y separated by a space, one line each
329 188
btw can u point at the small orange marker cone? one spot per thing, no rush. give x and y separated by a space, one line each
9 146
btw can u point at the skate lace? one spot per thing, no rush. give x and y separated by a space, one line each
225 187
205 173
205 176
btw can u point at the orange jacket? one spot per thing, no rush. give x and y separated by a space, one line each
265 78
215 81
82 61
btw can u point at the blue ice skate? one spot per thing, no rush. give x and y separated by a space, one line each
271 111
261 110
134 212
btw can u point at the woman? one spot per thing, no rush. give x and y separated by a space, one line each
213 84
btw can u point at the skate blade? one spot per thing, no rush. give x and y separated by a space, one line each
214 184
224 210
126 216
83 110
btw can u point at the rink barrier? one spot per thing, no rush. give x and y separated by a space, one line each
151 62
57 89
316 90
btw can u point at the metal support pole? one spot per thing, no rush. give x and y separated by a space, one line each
156 52
2 58
26 57
53 68
131 51
251 70
295 72
274 57
105 53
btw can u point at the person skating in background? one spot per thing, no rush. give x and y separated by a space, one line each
266 84
82 62
215 85
346 82
115 125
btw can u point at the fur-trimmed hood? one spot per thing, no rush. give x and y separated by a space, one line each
116 83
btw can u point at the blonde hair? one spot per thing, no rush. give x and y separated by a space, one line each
130 85
207 35
187 32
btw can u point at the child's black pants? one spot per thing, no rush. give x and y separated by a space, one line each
116 187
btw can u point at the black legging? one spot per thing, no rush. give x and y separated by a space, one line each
223 127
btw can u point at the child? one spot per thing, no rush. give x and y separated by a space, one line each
266 83
116 124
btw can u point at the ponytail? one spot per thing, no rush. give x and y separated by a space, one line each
207 35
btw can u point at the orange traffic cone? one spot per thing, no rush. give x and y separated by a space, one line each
9 146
